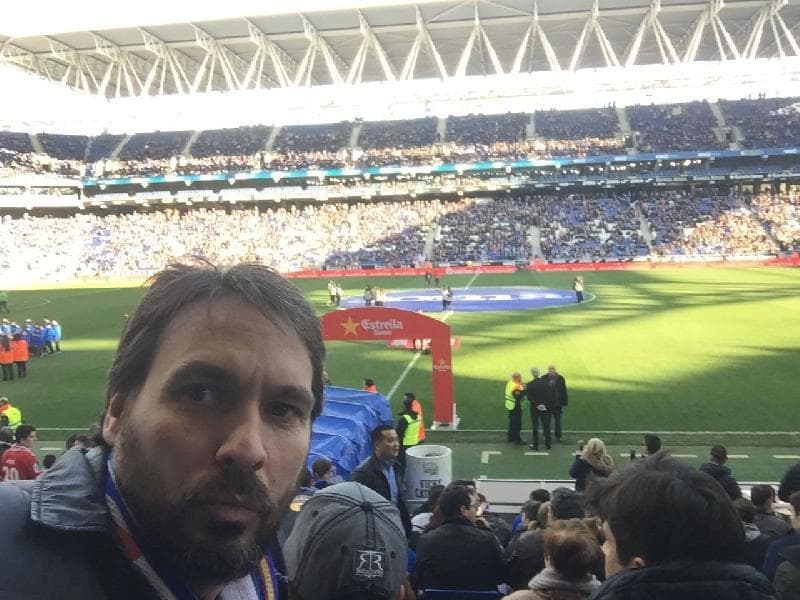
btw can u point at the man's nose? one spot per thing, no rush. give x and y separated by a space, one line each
244 445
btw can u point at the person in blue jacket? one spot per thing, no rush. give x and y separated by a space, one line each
36 340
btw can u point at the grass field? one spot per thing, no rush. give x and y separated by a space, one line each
684 350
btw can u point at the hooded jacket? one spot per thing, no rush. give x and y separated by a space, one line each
687 580
723 476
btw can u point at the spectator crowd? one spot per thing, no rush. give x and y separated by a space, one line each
511 136
567 227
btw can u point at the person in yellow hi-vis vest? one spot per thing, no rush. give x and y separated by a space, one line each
12 412
417 408
514 393
407 429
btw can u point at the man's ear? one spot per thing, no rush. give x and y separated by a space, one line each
637 562
112 421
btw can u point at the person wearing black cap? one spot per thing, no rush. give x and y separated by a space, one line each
370 557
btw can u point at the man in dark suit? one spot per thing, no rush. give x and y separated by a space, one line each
556 392
536 392
381 471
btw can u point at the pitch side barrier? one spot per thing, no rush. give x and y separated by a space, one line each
671 263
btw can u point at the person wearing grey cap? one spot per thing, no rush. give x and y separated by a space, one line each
540 409
348 543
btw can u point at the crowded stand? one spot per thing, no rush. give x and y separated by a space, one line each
236 141
674 127
573 227
102 146
411 142
65 147
781 214
158 145
579 132
12 141
712 224
485 229
582 227
401 135
487 129
765 122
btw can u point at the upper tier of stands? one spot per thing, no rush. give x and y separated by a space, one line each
512 136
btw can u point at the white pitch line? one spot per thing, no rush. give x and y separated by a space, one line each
738 456
50 448
471 281
786 456
537 454
486 454
684 455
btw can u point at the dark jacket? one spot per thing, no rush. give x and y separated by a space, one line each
687 580
790 483
459 555
583 472
369 473
526 559
787 577
57 539
771 524
775 551
555 391
723 476
537 395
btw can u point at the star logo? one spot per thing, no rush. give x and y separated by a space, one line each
350 326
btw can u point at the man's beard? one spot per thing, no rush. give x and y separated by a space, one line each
186 540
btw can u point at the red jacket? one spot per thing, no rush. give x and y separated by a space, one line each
19 348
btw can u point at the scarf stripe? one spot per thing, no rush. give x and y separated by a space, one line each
264 577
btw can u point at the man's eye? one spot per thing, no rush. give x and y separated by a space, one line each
201 394
283 410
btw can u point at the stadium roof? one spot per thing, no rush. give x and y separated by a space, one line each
385 40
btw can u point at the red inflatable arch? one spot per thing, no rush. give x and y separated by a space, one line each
378 323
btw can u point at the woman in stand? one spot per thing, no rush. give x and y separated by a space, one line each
592 462
571 554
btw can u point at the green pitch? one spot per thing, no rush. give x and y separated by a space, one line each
684 350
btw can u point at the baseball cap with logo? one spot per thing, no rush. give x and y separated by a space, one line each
348 541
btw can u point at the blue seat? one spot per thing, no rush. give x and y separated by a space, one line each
434 594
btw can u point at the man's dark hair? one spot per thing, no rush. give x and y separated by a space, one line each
468 483
70 441
652 443
181 285
320 466
666 511
411 395
745 509
48 460
377 434
761 493
572 549
719 454
540 495
304 479
566 504
23 432
453 499
369 382
794 500
6 435
531 510
434 493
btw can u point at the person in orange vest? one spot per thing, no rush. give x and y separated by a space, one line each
369 386
417 408
19 348
6 358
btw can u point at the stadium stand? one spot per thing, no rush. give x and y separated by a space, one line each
65 147
675 126
487 129
764 122
238 141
